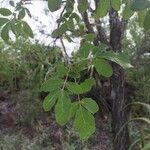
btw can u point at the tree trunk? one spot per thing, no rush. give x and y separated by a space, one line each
119 114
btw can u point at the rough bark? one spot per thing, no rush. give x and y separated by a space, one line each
119 114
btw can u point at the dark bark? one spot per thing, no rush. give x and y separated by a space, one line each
119 114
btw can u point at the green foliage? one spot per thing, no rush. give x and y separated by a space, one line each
82 5
147 21
139 76
139 5
11 3
85 49
3 21
23 68
15 22
102 9
141 18
49 101
5 12
84 87
64 79
116 4
88 56
90 37
146 147
120 58
62 108
52 84
5 32
54 5
103 67
84 122
21 14
61 70
90 105
127 12
65 110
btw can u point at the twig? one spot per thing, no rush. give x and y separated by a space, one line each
64 49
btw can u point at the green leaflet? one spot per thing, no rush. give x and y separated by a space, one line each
90 105
99 49
61 70
18 28
13 27
146 147
60 31
49 101
3 21
5 32
84 123
123 60
102 9
62 108
54 5
76 69
90 37
69 6
103 67
139 5
141 17
120 58
82 5
52 84
28 12
127 12
21 14
74 88
84 87
5 12
74 108
76 17
11 3
147 20
87 85
27 29
116 4
85 49
70 24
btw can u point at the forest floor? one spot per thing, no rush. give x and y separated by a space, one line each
44 133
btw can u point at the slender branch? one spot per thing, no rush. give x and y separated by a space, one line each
66 79
87 22
64 48
65 51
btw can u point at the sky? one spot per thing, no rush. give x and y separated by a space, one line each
45 22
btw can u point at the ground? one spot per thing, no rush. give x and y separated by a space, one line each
44 133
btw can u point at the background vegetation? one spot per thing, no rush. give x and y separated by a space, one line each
26 65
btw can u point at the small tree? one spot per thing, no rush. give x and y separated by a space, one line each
100 50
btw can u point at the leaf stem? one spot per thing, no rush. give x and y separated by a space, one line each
66 79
